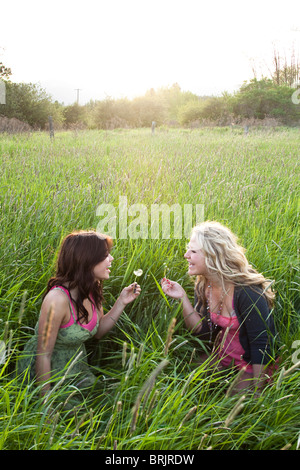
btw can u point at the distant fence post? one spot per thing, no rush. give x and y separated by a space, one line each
2 92
153 126
51 128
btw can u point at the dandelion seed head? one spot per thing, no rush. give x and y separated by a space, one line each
138 272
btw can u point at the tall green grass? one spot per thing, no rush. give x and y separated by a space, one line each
51 187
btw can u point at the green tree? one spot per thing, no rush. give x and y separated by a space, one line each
174 99
260 99
74 114
191 112
148 108
218 109
30 103
103 113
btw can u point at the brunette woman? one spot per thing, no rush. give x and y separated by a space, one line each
72 312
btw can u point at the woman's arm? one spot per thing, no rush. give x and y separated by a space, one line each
258 324
191 318
108 320
258 375
55 309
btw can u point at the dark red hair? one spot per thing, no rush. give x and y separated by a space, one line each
79 253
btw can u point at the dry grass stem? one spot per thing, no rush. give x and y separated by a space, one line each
235 381
130 364
53 429
235 411
145 390
169 335
286 447
91 417
124 354
69 397
101 438
200 447
2 352
119 406
224 337
5 333
9 343
78 424
283 398
192 355
298 443
188 416
190 378
22 306
291 369
140 354
180 344
216 343
152 403
47 328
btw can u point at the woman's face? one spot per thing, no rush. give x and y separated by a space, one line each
101 270
195 257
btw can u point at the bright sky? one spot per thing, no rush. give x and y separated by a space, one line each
123 48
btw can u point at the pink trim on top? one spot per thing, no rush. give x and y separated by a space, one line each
88 326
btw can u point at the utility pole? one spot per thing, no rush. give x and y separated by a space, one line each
78 90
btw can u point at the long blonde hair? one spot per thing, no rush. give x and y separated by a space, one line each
225 258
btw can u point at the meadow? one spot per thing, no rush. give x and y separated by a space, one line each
154 395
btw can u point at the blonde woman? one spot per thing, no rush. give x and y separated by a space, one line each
233 302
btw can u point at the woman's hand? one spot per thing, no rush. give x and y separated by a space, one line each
130 293
172 289
108 320
191 317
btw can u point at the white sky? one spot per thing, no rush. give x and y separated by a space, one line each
123 48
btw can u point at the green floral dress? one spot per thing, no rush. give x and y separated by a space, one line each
69 343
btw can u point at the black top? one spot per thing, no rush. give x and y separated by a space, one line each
257 330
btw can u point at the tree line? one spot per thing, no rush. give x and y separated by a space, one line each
257 100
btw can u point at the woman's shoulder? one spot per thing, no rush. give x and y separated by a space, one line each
57 302
57 296
250 298
252 291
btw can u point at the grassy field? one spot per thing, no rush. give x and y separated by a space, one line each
154 395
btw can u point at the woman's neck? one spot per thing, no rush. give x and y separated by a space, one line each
216 283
